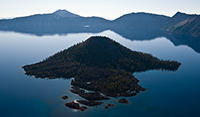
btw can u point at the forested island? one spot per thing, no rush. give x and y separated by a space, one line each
100 65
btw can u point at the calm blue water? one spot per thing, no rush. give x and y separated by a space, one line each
168 94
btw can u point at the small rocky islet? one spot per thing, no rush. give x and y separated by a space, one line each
123 100
108 105
100 65
65 97
74 105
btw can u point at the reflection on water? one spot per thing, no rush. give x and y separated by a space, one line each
126 32
168 94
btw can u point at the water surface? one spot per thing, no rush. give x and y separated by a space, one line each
169 93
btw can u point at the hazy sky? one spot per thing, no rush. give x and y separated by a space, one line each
109 9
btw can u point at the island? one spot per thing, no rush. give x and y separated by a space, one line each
100 65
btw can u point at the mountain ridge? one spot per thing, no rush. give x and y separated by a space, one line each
65 21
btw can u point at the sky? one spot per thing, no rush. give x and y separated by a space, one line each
109 9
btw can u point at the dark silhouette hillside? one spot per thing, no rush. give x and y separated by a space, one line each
104 63
98 52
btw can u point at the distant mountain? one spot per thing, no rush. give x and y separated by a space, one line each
184 24
192 27
139 26
59 22
177 20
141 20
132 26
65 13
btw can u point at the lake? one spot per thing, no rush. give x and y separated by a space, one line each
170 93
